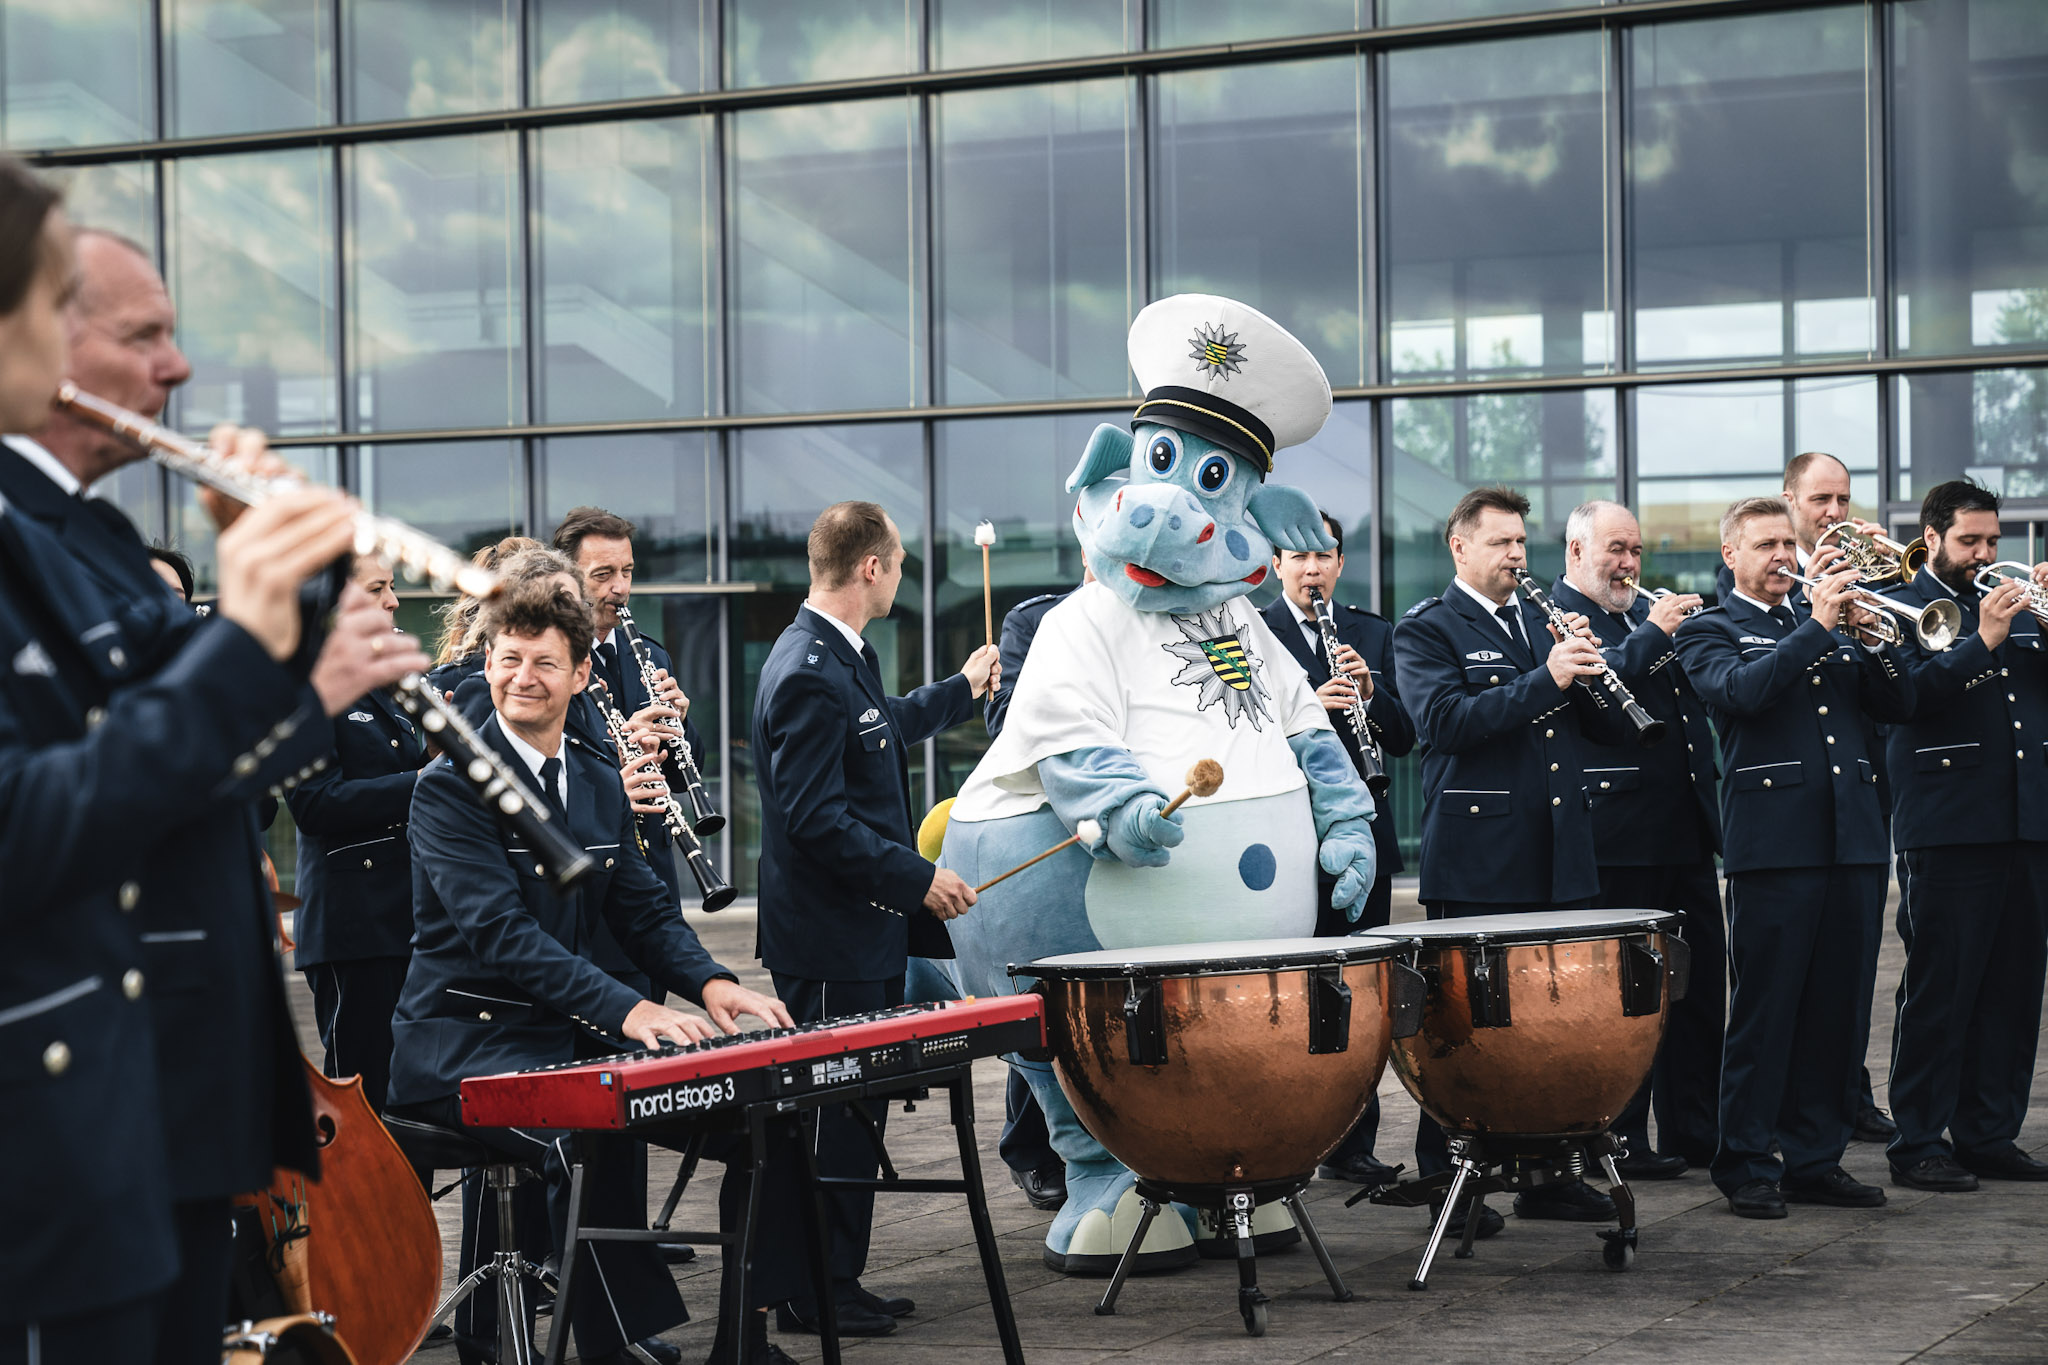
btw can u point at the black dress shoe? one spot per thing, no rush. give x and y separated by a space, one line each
678 1253
2008 1164
657 1350
1837 1188
1572 1202
1757 1199
895 1307
1652 1166
1490 1222
1874 1125
1360 1168
1938 1173
760 1351
855 1320
1042 1189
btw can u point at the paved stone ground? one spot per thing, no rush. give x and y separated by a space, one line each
1954 1278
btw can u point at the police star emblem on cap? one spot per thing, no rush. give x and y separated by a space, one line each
1216 352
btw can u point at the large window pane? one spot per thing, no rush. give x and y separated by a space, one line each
1036 239
118 196
1702 446
417 58
1991 426
1970 138
250 245
977 33
1243 151
1194 23
1336 470
789 42
192 531
76 73
665 483
234 67
628 263
824 203
781 480
1751 208
465 494
434 283
1496 208
590 50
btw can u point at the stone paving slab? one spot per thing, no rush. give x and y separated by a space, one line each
1949 1278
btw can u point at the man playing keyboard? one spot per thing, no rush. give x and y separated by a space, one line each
501 977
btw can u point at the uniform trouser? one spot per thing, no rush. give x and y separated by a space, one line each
1963 1043
623 1290
123 1331
1802 956
1331 923
352 1004
843 1145
195 1307
1025 1146
1685 1084
1432 1154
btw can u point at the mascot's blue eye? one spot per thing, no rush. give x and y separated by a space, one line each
1213 475
1163 456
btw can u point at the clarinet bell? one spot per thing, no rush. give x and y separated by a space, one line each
718 892
704 820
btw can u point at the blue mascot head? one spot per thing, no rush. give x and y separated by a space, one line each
1175 515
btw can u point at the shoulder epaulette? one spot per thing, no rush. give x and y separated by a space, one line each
1034 601
1361 611
814 654
1421 606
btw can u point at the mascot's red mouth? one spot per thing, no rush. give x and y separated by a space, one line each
1145 578
1256 578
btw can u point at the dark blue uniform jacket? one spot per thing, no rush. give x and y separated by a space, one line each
842 885
1973 761
1793 710
1659 806
1505 815
501 977
1372 636
1020 628
355 870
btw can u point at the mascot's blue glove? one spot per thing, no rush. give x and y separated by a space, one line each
1105 796
1343 810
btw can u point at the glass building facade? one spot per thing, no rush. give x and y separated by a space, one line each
716 263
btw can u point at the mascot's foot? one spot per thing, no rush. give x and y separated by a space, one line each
1098 1239
1272 1229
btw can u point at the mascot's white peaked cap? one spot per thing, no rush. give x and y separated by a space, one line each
1223 370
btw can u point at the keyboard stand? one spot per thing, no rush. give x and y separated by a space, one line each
759 1120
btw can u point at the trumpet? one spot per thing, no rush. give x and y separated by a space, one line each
717 892
2012 571
1372 760
1659 594
1935 625
704 817
1876 556
493 780
1648 728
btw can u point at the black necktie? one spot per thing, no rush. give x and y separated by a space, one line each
1782 614
608 664
1512 619
873 661
551 787
1315 636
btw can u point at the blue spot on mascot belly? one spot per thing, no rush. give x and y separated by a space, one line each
1157 664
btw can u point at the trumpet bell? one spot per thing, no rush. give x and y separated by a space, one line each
1939 625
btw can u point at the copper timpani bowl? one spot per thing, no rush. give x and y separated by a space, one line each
1538 1023
1222 1063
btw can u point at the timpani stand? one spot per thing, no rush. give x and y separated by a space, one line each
799 1115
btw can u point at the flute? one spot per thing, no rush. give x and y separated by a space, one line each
1648 728
496 785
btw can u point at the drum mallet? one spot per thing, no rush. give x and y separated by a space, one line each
1203 780
985 536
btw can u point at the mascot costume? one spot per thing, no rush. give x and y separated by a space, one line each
1158 664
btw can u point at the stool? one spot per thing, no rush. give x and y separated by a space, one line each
431 1146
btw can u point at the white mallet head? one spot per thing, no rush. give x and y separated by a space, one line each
984 533
1088 832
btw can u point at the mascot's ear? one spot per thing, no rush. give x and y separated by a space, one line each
1288 517
1109 450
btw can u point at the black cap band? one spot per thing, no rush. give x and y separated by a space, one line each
1210 417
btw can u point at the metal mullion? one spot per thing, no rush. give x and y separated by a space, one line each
931 598
525 171
1580 18
924 253
1620 206
1882 208
1372 209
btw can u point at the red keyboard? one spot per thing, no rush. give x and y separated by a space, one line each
658 1088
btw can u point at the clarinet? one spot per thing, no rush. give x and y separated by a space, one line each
1372 760
496 785
717 892
1648 728
704 817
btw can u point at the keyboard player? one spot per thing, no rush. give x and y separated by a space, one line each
501 977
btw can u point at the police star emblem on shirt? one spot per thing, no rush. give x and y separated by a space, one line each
1219 664
1216 352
